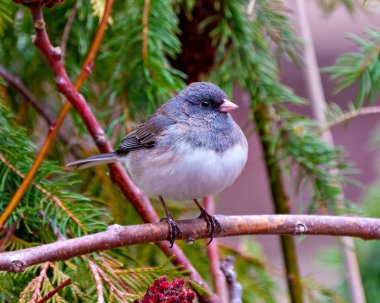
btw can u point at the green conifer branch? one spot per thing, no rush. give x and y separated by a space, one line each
359 67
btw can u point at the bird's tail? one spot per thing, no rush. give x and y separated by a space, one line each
94 160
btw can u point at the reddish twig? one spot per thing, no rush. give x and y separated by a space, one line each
40 279
53 56
113 288
44 112
98 282
55 290
117 236
16 82
8 235
117 172
145 32
218 279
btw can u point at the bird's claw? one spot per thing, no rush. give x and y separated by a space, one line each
212 224
174 229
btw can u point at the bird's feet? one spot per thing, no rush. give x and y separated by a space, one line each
213 224
174 229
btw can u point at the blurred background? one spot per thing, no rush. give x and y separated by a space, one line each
251 193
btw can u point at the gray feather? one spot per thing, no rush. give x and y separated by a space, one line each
94 160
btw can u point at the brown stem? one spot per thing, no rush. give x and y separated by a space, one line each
44 112
217 277
145 32
118 236
350 115
281 204
54 291
67 29
17 83
98 282
40 279
113 288
8 235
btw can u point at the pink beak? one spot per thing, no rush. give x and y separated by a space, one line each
227 106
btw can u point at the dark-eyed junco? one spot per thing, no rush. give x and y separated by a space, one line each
189 148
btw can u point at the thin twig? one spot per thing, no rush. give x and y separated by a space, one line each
250 7
17 83
118 236
350 115
40 280
218 279
112 287
145 32
8 235
98 282
44 112
51 293
67 29
234 287
319 106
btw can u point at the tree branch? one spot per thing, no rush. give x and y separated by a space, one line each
44 112
8 235
16 82
51 293
118 174
117 236
98 281
54 58
351 115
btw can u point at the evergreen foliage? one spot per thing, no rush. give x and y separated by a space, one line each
361 67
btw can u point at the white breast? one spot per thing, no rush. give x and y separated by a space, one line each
186 173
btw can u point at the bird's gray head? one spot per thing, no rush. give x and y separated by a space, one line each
204 101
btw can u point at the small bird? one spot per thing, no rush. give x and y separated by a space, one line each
189 148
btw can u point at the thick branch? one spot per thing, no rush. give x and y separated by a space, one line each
117 236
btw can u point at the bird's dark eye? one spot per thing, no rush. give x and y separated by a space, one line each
205 104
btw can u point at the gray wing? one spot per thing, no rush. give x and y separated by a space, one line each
145 135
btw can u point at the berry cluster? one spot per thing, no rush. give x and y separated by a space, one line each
164 292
